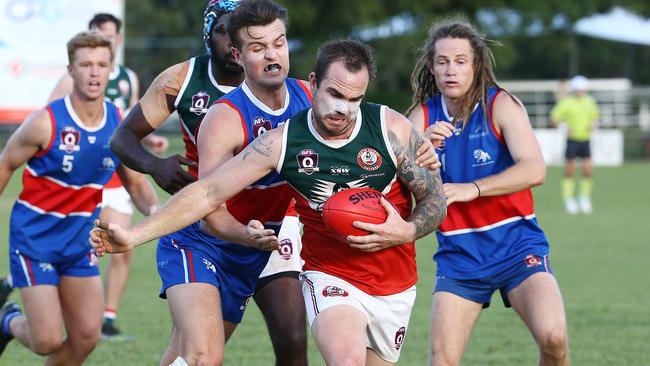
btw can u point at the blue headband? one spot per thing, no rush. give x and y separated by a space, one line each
213 11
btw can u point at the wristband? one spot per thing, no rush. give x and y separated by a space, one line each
477 188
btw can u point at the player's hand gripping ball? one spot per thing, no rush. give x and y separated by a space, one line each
349 205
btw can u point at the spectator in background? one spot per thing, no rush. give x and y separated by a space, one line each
579 112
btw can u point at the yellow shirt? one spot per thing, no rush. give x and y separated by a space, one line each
578 113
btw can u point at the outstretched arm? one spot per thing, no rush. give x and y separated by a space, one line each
220 137
146 116
424 184
196 200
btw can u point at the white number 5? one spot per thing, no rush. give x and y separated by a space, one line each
67 163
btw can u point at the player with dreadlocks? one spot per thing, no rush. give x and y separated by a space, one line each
190 88
490 239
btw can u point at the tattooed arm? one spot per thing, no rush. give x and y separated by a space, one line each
196 200
424 184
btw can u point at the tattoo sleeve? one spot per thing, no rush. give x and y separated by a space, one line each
425 185
263 145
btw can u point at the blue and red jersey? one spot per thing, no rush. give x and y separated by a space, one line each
62 186
478 237
271 192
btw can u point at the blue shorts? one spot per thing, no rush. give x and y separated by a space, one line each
186 256
481 290
28 272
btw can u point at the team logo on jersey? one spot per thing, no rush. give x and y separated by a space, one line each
482 158
307 161
92 139
399 337
124 87
260 126
340 170
286 249
369 159
69 140
532 260
333 291
108 163
209 265
200 102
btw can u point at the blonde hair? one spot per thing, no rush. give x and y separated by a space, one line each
87 39
423 81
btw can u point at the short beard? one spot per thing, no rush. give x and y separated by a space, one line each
224 66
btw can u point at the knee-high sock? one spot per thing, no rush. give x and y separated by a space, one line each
586 185
568 188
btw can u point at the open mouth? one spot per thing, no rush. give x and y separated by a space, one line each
272 68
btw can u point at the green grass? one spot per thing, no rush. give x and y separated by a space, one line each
600 261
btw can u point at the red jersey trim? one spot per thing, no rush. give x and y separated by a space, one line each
425 112
48 196
305 89
492 125
481 213
241 118
52 134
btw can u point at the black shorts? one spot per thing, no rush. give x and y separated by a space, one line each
577 149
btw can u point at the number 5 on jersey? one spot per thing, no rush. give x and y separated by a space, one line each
67 163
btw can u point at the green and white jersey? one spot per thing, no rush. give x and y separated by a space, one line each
120 88
198 92
317 168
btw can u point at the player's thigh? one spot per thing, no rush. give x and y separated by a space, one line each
196 311
452 320
82 303
373 359
340 334
539 303
42 308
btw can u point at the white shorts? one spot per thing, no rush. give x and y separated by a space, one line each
287 258
117 199
388 316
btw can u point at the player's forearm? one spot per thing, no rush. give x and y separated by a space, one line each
144 197
128 148
430 205
184 208
223 225
524 174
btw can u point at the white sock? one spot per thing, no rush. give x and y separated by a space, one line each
179 361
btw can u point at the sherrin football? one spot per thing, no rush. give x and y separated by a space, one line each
349 205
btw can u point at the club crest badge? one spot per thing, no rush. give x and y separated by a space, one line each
307 161
399 337
200 102
286 249
369 159
334 291
69 140
260 126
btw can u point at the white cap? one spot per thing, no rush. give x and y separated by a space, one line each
579 83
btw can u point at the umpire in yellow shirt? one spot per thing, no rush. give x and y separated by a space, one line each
579 112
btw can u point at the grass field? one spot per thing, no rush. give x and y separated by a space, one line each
600 261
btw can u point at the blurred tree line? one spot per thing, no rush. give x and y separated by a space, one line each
536 37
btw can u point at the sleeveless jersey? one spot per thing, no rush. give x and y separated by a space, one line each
119 91
62 186
271 191
478 236
317 169
198 92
